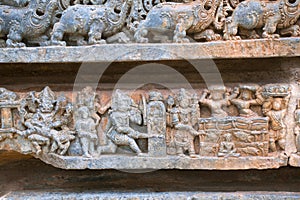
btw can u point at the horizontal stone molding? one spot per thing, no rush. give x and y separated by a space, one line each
262 48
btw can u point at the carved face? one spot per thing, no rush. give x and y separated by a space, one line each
184 103
46 107
246 95
216 95
276 105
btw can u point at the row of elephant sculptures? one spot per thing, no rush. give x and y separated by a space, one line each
89 22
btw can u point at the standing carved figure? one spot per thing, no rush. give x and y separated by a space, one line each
118 128
275 108
86 130
246 99
297 127
182 122
270 16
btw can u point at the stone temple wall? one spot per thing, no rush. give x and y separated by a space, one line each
149 99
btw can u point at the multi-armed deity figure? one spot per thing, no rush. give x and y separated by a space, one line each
246 99
275 108
216 99
182 121
46 119
123 111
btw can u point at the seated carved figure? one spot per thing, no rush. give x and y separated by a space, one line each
179 19
227 147
270 16
91 21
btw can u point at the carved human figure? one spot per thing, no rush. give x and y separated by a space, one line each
227 147
297 127
123 111
85 127
246 99
182 122
62 138
216 99
276 108
42 121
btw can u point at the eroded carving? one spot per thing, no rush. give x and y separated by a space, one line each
246 122
26 23
270 16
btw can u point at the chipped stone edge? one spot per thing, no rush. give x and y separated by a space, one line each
260 48
129 162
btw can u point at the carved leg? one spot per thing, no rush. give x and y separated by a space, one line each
208 35
293 31
281 138
95 33
118 38
78 39
65 147
85 146
231 29
270 28
58 34
180 32
14 40
140 35
134 146
250 34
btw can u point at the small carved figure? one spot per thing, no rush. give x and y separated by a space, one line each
218 97
227 147
297 127
270 16
179 19
275 108
182 122
92 21
26 23
86 130
118 128
245 100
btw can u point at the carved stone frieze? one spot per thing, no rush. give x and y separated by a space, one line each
202 129
97 22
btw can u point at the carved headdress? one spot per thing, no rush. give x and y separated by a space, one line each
46 99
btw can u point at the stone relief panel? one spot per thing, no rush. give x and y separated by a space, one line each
221 128
97 22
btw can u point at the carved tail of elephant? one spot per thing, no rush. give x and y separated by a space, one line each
123 15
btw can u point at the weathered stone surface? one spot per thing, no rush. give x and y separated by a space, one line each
168 162
148 195
263 48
